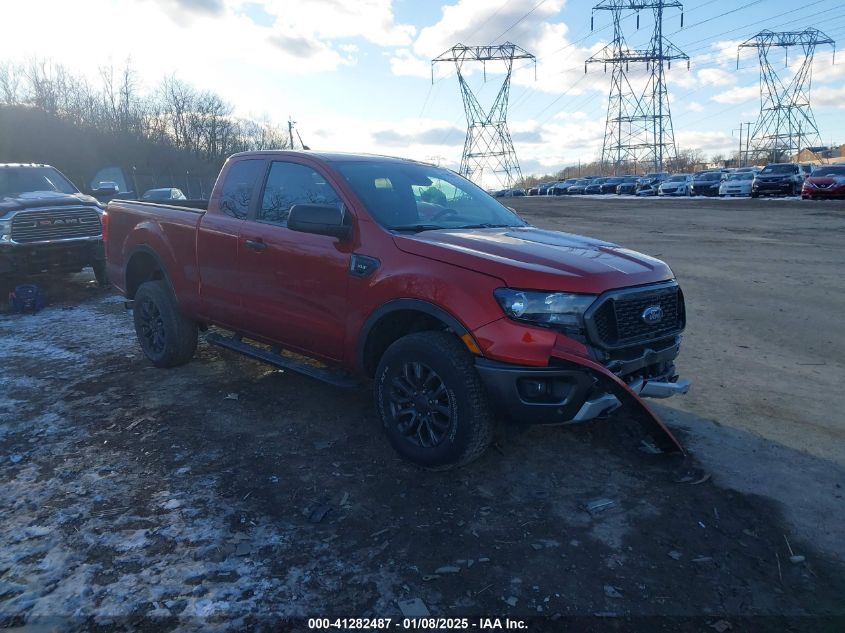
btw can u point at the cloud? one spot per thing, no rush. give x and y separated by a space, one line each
716 77
444 136
526 23
299 46
527 137
737 95
179 7
829 97
372 20
709 142
403 62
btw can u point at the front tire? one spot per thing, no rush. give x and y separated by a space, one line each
431 401
166 337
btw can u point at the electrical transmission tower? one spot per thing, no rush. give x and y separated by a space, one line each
786 123
488 145
639 130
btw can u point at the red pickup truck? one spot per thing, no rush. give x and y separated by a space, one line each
408 275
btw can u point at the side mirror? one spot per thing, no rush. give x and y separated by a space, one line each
320 219
105 189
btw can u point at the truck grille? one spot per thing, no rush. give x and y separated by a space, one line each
618 321
43 225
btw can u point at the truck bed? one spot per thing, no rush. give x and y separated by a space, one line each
168 230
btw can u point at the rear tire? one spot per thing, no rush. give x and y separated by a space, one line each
431 401
166 337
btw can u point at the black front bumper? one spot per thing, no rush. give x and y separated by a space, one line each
563 392
704 190
28 259
512 389
768 188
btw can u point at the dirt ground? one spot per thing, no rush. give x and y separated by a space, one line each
226 494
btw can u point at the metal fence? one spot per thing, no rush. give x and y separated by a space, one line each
193 186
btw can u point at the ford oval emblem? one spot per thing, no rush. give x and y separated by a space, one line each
652 315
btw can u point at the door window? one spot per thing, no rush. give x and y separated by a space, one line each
239 186
289 184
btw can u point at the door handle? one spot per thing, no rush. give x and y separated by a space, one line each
256 245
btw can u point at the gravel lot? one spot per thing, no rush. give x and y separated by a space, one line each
226 494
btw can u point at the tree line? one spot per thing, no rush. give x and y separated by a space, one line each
174 126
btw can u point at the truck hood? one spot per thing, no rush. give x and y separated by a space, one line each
531 258
32 199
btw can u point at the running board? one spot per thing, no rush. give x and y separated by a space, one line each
235 344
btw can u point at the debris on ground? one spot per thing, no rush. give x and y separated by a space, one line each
675 554
511 601
232 396
597 505
647 446
612 592
793 557
414 608
721 626
447 569
319 513
691 476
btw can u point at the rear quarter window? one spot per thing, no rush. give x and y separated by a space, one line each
239 186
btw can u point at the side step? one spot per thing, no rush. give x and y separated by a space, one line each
235 344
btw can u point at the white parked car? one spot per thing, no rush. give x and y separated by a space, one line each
675 185
737 184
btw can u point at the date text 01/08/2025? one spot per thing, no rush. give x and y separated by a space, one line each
423 623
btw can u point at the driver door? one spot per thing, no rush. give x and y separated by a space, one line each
297 283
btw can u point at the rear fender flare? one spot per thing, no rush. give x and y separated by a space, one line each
147 250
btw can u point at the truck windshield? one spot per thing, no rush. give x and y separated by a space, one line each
18 180
409 196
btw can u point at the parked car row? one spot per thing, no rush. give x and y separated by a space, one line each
791 179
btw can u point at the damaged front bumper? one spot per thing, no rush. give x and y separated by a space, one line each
577 390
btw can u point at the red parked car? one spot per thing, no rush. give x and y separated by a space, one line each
827 181
409 276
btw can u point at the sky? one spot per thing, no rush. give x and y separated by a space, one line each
356 75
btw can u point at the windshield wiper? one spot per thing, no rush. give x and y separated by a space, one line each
416 228
485 225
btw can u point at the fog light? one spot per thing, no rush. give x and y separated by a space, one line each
533 388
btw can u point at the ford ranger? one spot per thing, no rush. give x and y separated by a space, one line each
408 275
46 224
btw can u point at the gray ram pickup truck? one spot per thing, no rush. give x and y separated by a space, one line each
47 224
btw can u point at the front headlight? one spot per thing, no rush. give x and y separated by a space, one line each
5 230
559 310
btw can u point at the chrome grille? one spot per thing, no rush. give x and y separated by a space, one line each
44 225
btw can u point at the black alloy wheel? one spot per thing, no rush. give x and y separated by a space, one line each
166 337
150 326
420 405
431 401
